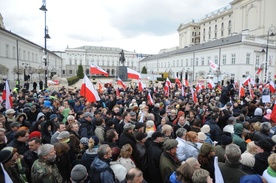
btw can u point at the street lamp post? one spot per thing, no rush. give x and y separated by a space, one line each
46 36
270 32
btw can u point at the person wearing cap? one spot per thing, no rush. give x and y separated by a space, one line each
100 170
264 148
120 126
60 128
168 160
230 170
10 117
14 126
127 137
44 168
78 174
258 116
226 139
19 141
78 106
141 152
133 117
238 136
154 152
86 126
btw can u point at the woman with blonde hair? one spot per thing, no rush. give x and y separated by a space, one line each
125 160
248 158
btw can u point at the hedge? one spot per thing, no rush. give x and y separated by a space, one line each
72 80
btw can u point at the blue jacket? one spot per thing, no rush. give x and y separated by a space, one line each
100 172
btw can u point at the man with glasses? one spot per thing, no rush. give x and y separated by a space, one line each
19 141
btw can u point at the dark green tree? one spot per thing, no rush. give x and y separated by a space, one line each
144 70
80 73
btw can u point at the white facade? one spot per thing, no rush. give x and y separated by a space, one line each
105 57
233 37
15 51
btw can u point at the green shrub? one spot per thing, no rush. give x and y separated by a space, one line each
72 80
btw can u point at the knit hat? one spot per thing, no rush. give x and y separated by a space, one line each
205 149
258 112
63 135
35 134
255 178
88 114
265 145
139 125
157 134
132 113
5 156
201 136
205 128
10 111
78 173
226 138
141 136
162 112
229 104
238 128
129 126
52 117
84 141
15 124
169 144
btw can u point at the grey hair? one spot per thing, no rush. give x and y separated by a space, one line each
232 153
180 132
102 150
192 161
265 126
200 176
150 116
44 150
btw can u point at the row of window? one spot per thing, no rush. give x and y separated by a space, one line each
23 55
100 62
202 61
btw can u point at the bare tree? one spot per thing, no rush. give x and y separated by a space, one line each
3 70
39 71
31 71
19 71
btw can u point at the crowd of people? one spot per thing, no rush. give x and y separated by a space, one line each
59 137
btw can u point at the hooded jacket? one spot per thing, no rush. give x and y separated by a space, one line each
100 172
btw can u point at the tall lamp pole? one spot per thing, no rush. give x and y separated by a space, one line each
270 32
46 36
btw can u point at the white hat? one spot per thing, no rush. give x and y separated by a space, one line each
205 129
201 136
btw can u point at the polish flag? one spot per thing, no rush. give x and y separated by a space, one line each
272 87
177 81
185 82
120 82
166 89
194 97
6 96
259 70
101 90
246 81
211 84
133 74
182 91
261 87
88 90
154 89
198 87
273 114
117 93
241 91
94 69
251 91
213 66
150 100
169 82
141 85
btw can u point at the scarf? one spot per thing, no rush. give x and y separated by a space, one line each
271 172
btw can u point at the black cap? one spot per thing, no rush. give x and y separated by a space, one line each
157 134
265 145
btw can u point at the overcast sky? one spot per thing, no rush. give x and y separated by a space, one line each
145 26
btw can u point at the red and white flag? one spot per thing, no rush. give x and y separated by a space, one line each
261 87
194 97
141 85
167 89
150 100
169 82
272 87
246 81
121 83
199 87
94 69
251 91
7 96
177 81
259 70
182 91
133 74
185 82
101 90
213 66
211 84
273 114
88 90
241 91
